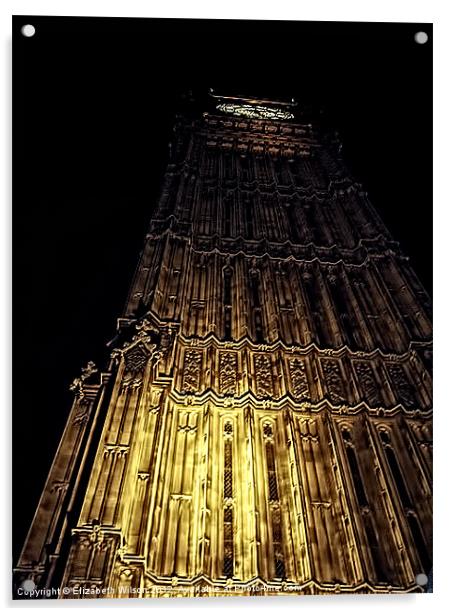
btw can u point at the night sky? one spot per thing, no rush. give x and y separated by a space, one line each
93 108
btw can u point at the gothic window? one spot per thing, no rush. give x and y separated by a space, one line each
285 292
403 299
292 222
375 547
423 435
258 326
281 171
197 308
228 564
205 209
248 215
228 166
227 322
318 174
367 518
211 163
314 299
228 542
228 471
262 169
246 168
228 204
274 502
256 305
227 301
368 308
344 232
277 543
345 316
395 469
309 211
354 468
255 289
272 479
405 499
420 544
228 287
294 172
316 224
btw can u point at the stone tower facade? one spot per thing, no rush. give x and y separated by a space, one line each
264 423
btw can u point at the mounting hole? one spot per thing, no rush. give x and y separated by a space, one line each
28 585
421 579
421 38
28 30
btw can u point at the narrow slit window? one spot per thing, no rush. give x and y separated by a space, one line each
228 550
227 301
274 504
365 508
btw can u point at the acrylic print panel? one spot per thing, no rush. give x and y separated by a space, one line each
222 332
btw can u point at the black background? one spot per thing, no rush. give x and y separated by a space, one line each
93 106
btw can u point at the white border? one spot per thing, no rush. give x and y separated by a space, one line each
332 10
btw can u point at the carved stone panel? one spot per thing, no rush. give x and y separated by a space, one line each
136 359
367 383
298 378
308 430
334 382
227 373
403 389
91 554
263 376
192 371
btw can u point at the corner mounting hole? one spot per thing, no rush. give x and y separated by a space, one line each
421 38
28 585
28 30
421 579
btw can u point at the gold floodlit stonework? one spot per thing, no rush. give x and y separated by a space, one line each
264 423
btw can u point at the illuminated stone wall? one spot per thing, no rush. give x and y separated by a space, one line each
264 425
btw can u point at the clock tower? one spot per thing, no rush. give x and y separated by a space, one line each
263 423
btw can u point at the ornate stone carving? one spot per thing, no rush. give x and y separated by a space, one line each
333 380
136 359
227 373
94 540
298 377
97 538
191 371
132 381
167 341
308 430
116 449
263 376
368 383
401 384
82 413
187 428
145 330
59 487
78 383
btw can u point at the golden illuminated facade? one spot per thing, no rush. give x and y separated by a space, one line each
264 423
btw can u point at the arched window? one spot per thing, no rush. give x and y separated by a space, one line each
274 502
256 306
377 555
406 501
228 559
227 302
